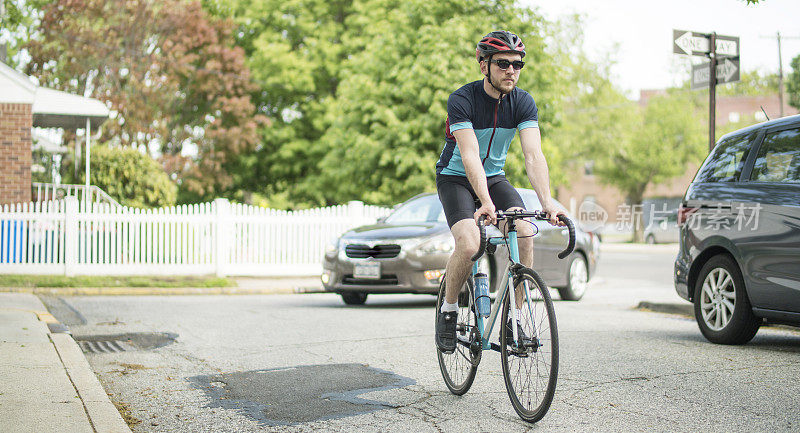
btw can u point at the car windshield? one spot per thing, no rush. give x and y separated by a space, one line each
426 209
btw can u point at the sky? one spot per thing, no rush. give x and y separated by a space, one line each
643 30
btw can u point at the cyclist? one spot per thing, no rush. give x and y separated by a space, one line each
482 119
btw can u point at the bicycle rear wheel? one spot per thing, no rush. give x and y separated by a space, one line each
459 368
531 371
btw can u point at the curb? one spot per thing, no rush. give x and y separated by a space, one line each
103 416
686 310
64 365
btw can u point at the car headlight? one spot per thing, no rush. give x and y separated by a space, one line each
332 247
439 244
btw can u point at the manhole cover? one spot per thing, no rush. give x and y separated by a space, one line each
300 394
124 342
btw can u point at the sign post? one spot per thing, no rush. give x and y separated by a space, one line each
723 51
712 94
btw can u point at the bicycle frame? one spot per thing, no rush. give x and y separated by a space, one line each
506 287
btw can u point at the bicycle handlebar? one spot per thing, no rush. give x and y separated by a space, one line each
482 245
539 215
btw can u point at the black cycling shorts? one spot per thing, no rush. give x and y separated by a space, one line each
458 198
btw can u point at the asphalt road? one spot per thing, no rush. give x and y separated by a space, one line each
307 362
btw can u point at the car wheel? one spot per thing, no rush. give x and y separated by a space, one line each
650 239
721 307
577 279
354 298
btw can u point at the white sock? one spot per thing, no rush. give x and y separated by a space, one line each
446 306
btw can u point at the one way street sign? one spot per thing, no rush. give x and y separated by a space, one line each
699 44
727 72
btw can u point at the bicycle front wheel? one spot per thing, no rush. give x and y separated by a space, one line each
530 365
459 368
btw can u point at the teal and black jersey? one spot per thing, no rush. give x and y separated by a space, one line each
494 121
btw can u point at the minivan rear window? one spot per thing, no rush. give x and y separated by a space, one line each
726 160
778 159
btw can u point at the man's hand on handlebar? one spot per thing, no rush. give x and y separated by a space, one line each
488 210
553 212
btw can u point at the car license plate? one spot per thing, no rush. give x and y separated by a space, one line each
370 270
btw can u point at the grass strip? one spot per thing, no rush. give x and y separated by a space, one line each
44 281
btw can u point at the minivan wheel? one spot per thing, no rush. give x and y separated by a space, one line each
354 298
721 307
577 279
650 239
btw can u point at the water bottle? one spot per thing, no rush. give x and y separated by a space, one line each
482 294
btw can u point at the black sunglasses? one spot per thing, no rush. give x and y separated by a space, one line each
504 64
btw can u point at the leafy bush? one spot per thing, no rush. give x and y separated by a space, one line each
128 176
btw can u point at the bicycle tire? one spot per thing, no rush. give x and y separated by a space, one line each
531 375
459 368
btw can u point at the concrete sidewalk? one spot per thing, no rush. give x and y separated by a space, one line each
46 384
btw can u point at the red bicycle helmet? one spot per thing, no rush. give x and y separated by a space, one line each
500 41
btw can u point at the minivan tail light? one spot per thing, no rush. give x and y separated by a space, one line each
683 214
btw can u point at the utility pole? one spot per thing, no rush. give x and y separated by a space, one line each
780 74
778 37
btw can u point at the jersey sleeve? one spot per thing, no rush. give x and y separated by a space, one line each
459 111
529 113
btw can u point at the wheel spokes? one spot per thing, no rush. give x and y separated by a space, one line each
717 299
529 373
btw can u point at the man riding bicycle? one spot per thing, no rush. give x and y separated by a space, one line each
482 119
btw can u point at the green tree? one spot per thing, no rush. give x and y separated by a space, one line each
176 83
295 50
793 83
752 83
658 142
128 176
358 89
595 113
17 24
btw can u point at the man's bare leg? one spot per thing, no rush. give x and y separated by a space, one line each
467 241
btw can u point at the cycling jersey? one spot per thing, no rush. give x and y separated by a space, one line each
494 121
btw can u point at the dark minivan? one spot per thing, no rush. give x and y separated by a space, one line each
739 257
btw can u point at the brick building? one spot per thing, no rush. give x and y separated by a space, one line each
585 187
24 105
15 152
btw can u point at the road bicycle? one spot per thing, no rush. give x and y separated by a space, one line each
530 361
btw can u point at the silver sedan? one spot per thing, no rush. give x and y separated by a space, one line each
407 252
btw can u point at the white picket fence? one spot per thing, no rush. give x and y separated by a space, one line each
75 238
